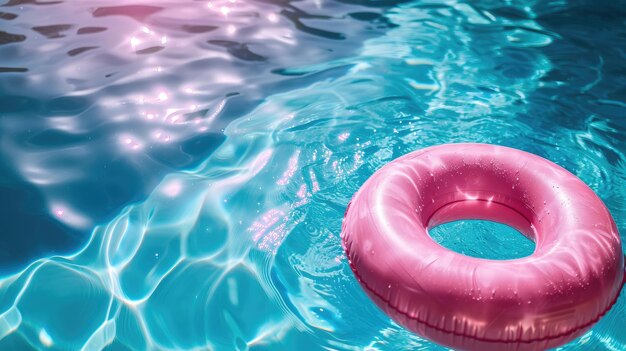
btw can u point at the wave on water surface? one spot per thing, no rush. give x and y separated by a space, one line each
105 98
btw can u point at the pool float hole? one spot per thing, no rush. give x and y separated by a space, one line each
482 239
464 225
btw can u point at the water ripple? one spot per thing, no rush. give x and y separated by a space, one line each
105 100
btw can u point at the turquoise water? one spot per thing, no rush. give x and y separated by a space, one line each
187 193
483 239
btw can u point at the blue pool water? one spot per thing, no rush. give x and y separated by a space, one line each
489 240
174 173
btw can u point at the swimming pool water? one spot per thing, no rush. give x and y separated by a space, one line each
175 173
489 240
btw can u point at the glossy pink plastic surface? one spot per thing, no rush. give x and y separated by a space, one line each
537 302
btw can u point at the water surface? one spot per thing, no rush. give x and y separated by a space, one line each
226 235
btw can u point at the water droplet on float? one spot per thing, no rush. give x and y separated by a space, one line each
544 202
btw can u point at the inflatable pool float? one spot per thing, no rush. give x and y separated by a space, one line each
544 300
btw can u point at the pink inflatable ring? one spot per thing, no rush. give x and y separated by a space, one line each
537 302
